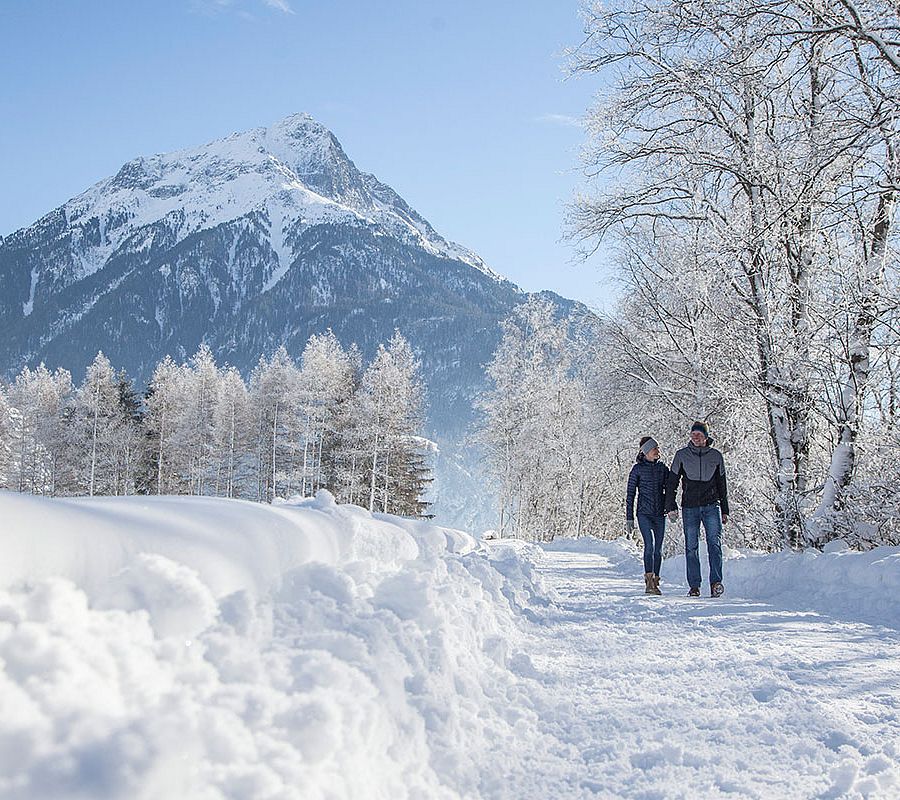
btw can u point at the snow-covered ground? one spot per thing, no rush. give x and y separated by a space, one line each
197 648
738 697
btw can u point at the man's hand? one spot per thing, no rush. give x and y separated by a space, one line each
629 526
724 519
673 516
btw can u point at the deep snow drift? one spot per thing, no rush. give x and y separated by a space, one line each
191 648
198 648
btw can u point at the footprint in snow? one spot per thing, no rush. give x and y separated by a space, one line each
766 693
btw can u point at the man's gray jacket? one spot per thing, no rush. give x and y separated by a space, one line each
702 472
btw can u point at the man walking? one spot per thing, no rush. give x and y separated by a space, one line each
704 499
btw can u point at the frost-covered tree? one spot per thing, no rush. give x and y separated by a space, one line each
326 381
182 402
164 401
675 349
200 430
197 418
274 397
95 430
231 436
131 442
383 434
40 401
535 427
6 437
770 136
346 454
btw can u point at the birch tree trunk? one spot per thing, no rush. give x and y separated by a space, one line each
858 367
274 445
159 455
229 487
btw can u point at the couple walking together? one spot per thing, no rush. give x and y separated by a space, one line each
700 469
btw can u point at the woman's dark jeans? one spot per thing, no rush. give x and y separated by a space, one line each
653 529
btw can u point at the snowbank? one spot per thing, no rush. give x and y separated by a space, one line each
207 649
839 582
232 545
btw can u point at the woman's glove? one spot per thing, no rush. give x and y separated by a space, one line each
629 526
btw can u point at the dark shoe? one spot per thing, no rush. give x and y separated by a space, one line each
654 585
716 590
694 592
648 583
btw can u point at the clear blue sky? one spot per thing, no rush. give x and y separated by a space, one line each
461 107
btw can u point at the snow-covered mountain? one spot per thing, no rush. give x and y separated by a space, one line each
246 243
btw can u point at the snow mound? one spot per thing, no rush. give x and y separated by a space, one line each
843 583
209 649
840 582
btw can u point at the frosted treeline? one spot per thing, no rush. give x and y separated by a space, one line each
200 429
568 401
745 157
544 452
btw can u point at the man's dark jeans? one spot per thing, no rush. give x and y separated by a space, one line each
653 529
712 523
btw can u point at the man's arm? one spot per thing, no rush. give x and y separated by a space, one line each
722 487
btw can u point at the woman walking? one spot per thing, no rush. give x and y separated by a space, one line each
648 481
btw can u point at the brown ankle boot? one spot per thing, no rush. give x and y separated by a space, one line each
655 587
648 583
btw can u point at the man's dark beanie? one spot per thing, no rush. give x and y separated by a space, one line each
702 427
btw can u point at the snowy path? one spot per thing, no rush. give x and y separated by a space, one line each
671 697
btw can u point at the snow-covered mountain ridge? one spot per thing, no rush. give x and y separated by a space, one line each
294 171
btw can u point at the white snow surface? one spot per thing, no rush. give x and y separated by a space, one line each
206 648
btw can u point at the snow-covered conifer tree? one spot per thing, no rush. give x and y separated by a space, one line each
387 421
326 381
346 453
131 442
94 429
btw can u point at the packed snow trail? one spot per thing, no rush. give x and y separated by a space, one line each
671 697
